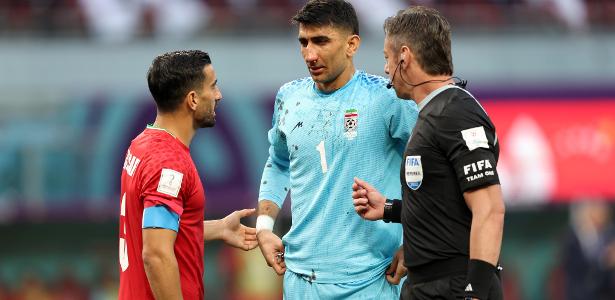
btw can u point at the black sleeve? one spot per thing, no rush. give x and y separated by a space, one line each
467 137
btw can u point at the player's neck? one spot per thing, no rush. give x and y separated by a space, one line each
419 93
176 126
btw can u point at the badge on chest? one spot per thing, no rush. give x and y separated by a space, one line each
414 171
350 123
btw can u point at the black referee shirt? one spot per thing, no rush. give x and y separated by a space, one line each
453 149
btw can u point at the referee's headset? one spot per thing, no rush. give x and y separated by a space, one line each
459 82
401 60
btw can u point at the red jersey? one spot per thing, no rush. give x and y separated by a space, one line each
159 170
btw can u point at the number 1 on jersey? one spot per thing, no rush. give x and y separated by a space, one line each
323 157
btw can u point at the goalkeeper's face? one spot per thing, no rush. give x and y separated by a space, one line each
327 51
207 100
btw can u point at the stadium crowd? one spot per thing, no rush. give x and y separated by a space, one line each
122 20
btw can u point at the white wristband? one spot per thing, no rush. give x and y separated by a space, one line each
264 222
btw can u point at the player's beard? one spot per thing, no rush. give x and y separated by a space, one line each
328 76
205 121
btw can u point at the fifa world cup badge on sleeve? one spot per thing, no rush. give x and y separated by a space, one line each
350 123
170 182
475 138
413 171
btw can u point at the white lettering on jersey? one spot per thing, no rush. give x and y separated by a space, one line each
477 166
475 138
131 163
124 263
170 182
474 177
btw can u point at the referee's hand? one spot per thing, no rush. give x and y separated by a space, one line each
368 202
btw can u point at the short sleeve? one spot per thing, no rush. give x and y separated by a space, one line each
467 137
165 182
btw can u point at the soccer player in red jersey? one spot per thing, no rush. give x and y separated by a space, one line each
162 198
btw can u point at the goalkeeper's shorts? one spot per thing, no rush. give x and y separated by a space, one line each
299 287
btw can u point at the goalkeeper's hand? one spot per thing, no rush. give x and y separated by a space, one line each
271 246
396 270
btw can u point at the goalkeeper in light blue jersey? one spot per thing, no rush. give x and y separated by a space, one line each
338 124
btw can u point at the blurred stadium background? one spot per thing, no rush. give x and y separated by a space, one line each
73 94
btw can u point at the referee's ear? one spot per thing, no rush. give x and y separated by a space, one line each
405 55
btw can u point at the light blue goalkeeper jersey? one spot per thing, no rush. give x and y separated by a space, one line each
319 143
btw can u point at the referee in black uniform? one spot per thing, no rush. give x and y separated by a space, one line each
452 209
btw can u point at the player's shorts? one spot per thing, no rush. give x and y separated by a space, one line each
450 288
298 287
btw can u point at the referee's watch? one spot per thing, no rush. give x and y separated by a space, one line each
392 211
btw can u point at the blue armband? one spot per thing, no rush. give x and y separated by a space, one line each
160 216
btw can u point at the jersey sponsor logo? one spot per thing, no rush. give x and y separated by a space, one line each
479 170
475 138
130 163
469 288
298 125
413 171
170 182
351 117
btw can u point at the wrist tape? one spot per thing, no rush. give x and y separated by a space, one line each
264 222
479 278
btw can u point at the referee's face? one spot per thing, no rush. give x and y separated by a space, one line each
392 67
327 51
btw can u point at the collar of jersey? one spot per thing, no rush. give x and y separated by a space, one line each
434 94
323 94
151 126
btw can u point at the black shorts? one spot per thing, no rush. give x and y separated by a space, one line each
447 288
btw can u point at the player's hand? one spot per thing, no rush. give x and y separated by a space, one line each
368 202
273 250
237 235
396 270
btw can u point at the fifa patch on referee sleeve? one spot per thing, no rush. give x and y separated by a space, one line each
170 182
475 138
478 170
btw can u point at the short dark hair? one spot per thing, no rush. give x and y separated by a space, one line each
337 13
427 33
173 74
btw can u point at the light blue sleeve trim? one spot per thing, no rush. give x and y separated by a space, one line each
160 216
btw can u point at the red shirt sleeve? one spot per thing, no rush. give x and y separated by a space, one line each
165 181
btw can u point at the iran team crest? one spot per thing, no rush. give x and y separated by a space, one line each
413 171
350 123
